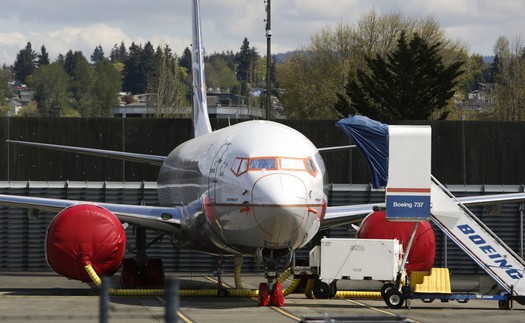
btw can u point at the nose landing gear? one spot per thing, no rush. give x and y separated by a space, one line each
271 292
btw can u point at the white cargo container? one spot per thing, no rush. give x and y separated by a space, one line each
356 259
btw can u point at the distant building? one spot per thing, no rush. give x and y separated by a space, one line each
220 106
14 108
24 96
480 99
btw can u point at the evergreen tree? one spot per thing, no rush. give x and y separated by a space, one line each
411 83
185 59
25 63
43 57
69 62
118 54
98 55
139 67
148 65
122 52
132 69
244 60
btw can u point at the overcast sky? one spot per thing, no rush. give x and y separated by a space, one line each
61 25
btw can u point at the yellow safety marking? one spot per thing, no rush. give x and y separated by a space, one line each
184 318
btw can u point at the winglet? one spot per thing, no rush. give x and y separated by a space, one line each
201 121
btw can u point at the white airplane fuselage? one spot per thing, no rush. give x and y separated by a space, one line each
251 186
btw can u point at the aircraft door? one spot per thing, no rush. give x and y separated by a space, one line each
218 167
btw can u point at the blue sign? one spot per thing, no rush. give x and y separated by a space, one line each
408 207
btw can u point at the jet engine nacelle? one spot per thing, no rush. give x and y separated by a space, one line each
423 251
85 234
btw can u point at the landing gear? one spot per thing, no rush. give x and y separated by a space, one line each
150 276
141 271
221 291
273 298
271 292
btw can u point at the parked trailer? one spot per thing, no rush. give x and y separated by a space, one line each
355 259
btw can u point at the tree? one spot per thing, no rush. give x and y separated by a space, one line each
167 89
334 55
50 83
98 55
4 89
25 63
43 57
220 72
185 60
411 83
301 104
246 59
119 54
132 75
107 83
80 82
509 93
139 67
6 76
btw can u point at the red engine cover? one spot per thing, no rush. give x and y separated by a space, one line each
423 251
85 232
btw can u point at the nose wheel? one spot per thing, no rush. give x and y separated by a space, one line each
270 296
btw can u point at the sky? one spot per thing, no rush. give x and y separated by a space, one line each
81 25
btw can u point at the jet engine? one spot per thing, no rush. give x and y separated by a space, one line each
85 234
423 251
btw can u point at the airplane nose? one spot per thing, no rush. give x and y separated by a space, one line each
279 205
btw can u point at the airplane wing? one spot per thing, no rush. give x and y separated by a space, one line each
345 214
121 155
165 219
349 214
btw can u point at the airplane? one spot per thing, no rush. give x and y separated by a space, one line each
256 188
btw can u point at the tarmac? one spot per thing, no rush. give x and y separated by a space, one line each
48 297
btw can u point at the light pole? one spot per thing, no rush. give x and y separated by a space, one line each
268 55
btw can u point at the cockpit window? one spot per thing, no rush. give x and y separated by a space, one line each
292 163
262 163
310 166
242 165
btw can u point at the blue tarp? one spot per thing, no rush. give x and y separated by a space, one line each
372 139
